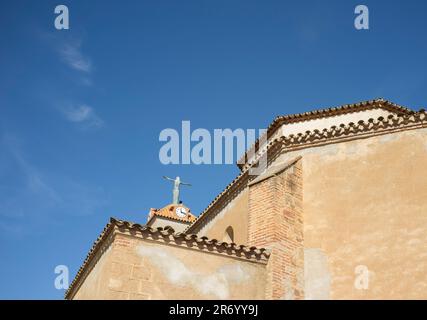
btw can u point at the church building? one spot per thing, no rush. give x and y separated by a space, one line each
339 212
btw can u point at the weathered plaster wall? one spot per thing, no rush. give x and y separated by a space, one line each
143 269
163 222
365 207
234 214
363 210
95 285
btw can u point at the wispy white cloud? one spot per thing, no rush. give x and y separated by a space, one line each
83 115
69 50
34 181
31 198
72 55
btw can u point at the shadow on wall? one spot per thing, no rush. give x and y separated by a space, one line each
228 235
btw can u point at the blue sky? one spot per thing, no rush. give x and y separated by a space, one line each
81 109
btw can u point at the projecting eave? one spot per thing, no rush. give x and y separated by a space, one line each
380 104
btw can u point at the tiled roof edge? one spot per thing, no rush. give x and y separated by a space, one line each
228 188
168 234
300 139
322 113
93 250
345 130
171 218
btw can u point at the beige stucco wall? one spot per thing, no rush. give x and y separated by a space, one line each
365 213
158 221
95 285
135 268
234 214
364 217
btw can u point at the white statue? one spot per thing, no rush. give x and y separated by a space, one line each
176 183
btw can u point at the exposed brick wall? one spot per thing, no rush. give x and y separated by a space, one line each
275 222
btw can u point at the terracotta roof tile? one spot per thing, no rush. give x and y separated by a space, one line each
169 212
168 236
351 129
310 138
327 112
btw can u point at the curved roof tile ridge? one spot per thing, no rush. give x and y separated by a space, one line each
95 246
341 130
169 234
166 212
326 112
